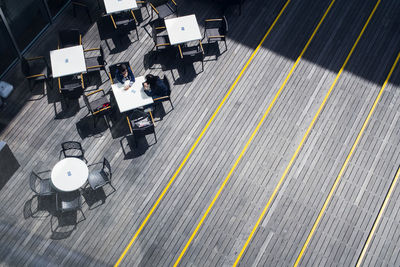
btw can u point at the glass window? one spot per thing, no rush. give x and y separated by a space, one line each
8 53
55 6
26 19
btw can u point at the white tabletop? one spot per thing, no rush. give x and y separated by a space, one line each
132 98
183 29
69 174
113 6
67 61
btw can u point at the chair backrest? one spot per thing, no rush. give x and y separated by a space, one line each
26 70
33 179
70 201
87 103
225 26
68 38
74 149
167 84
107 168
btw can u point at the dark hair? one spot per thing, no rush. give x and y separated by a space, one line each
151 79
123 68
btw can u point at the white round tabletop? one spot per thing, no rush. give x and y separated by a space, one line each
69 174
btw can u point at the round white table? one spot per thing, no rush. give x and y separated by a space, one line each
69 174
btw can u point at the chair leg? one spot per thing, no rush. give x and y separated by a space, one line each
155 137
83 214
137 33
171 103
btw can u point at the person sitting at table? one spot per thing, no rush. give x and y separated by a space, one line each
154 86
123 74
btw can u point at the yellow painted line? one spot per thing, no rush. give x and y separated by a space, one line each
328 199
200 136
253 134
275 192
378 219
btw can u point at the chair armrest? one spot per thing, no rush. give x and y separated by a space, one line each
36 75
141 2
213 20
95 92
94 113
174 2
180 51
154 8
129 124
160 98
79 4
35 58
113 21
91 49
201 47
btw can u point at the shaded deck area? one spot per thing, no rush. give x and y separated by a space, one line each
34 124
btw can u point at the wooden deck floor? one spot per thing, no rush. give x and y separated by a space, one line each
35 124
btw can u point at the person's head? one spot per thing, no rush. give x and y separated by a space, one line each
151 79
124 70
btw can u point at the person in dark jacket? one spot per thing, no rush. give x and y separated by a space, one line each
155 87
123 74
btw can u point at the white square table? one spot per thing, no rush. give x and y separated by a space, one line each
113 6
67 61
183 29
132 98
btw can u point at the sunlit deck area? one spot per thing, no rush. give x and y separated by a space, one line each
282 150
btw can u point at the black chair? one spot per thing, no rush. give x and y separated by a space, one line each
141 123
95 63
192 54
113 68
215 30
77 4
70 87
165 9
101 177
100 106
166 97
41 187
67 38
124 22
161 41
143 5
35 70
69 201
73 149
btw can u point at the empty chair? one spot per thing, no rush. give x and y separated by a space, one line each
191 54
101 177
215 30
78 4
73 149
141 123
161 41
35 70
143 5
95 63
166 97
98 104
41 187
70 87
69 201
67 38
124 22
165 9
